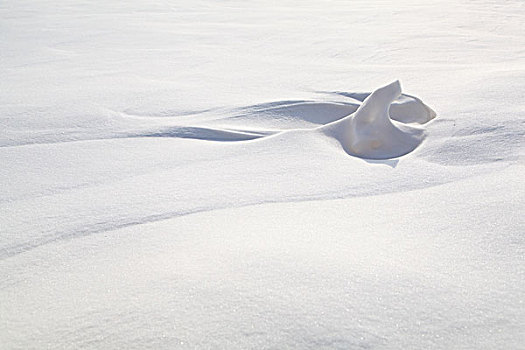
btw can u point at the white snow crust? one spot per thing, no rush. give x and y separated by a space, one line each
252 174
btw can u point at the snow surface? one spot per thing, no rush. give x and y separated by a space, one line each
195 174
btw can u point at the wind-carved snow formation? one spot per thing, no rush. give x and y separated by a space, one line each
371 133
385 125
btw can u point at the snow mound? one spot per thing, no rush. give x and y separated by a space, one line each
370 133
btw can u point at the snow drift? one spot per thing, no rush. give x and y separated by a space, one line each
383 124
364 128
371 133
183 175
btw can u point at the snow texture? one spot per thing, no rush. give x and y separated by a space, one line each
251 175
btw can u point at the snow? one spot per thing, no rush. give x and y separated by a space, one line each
370 133
253 174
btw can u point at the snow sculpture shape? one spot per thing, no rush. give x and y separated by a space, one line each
370 133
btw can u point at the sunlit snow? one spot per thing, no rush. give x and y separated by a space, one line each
262 174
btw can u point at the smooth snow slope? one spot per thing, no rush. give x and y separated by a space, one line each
387 272
322 215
